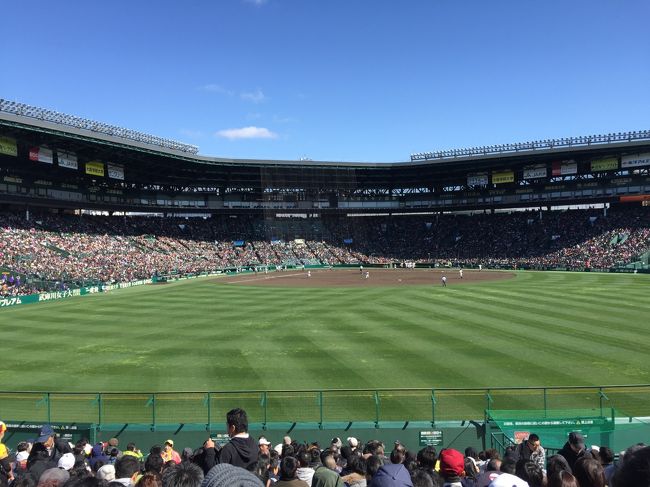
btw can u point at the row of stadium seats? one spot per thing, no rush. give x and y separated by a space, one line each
68 249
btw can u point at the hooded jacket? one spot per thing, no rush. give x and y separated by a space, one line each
240 452
392 475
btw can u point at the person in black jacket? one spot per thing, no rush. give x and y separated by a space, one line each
573 449
241 450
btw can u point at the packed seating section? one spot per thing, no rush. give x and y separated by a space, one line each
71 249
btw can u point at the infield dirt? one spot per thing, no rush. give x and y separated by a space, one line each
356 278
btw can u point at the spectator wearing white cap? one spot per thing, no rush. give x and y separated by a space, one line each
264 445
353 442
67 461
106 472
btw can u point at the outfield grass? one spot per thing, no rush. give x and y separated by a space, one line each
539 329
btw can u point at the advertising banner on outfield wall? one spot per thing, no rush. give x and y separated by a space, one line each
535 172
41 154
500 177
610 164
115 171
565 168
637 160
67 159
8 146
95 168
477 179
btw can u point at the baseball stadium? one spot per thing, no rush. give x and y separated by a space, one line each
454 298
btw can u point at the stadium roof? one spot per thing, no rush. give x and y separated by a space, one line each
37 119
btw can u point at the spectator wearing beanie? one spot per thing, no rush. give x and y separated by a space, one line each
226 475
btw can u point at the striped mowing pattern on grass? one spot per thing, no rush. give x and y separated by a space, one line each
539 329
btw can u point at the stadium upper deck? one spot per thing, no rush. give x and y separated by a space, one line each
57 160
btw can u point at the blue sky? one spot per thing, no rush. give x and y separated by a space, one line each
340 80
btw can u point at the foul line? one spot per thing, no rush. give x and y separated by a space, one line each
266 277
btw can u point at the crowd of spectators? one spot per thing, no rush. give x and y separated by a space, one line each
70 249
245 461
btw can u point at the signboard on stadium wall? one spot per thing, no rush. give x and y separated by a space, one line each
431 437
67 159
500 177
477 179
610 164
41 154
564 168
8 146
637 160
95 168
535 172
69 432
115 171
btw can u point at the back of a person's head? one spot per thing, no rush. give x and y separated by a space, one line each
304 458
237 417
153 463
471 452
126 466
530 472
508 465
150 479
425 478
288 451
421 478
288 468
634 470
491 453
261 469
397 455
315 457
606 455
374 447
357 464
182 475
494 465
373 464
561 478
557 463
589 472
427 457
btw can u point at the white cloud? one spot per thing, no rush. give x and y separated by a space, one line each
215 88
256 96
247 133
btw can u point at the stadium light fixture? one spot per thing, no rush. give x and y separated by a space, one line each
22 109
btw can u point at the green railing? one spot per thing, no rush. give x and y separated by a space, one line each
371 407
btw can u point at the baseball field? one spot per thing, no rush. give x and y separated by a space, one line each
336 329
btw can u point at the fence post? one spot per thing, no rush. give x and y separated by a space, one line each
153 411
99 409
320 407
488 396
49 409
376 409
265 402
602 397
545 402
433 407
209 398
